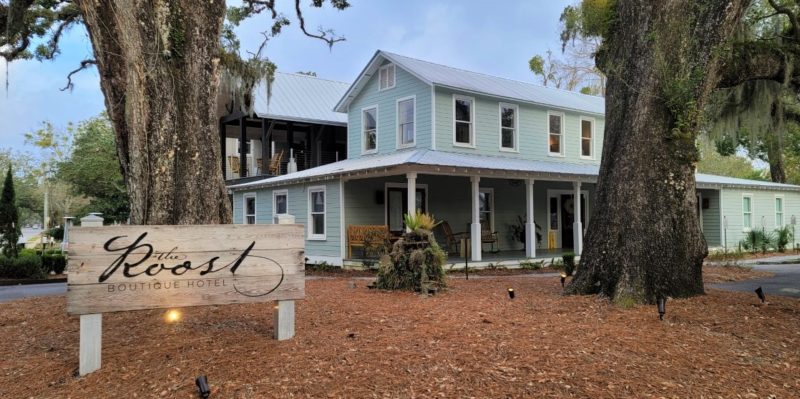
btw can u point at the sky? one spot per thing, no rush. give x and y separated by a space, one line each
497 38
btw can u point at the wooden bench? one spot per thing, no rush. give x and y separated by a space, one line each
363 235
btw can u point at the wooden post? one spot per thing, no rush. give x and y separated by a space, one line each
91 343
243 147
265 155
283 320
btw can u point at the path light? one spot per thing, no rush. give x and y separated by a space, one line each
511 293
563 279
172 316
760 293
662 307
202 387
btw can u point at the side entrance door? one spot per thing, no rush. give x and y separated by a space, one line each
397 207
568 218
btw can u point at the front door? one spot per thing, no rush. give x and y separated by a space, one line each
397 207
568 219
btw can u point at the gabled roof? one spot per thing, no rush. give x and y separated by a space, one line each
477 83
483 164
301 98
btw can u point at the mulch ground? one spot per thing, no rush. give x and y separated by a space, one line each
470 341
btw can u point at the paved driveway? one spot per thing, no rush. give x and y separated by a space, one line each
12 292
786 281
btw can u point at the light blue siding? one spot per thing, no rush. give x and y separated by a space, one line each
406 85
711 218
532 130
298 207
763 205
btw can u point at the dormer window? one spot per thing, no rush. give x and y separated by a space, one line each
386 77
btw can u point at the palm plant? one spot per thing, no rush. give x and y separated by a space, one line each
782 237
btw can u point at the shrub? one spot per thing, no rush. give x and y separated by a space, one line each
531 264
756 240
57 233
782 237
569 263
415 264
24 266
54 262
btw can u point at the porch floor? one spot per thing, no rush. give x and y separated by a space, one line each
508 259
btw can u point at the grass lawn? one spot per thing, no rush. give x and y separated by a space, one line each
470 341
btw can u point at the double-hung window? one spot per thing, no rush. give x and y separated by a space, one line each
555 130
463 116
386 77
779 212
508 127
316 213
369 125
587 138
280 202
406 109
249 209
747 212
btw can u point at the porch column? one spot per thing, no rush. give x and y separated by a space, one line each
530 225
411 190
577 227
242 147
475 230
265 155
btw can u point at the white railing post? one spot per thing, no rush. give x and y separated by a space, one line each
283 312
475 228
577 227
530 224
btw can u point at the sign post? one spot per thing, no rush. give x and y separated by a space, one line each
123 268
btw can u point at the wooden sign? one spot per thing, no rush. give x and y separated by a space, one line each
118 268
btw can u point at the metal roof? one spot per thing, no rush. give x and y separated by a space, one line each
478 83
301 98
481 164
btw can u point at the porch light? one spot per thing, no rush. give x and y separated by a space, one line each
662 307
760 293
202 387
511 293
172 316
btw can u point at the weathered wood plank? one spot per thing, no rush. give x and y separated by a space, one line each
178 266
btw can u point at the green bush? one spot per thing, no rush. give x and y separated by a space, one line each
531 264
26 265
57 233
415 264
54 262
782 237
569 263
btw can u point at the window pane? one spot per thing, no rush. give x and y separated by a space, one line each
390 77
462 110
746 220
746 204
318 220
586 129
586 147
407 133
280 204
406 110
251 206
779 204
555 143
318 201
507 117
508 138
371 141
553 213
462 132
484 201
369 119
555 124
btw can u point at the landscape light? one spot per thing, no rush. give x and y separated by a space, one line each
511 293
172 316
760 293
662 307
563 279
202 387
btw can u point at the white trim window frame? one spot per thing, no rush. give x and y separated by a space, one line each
391 78
400 123
590 139
779 211
246 214
364 130
316 213
470 123
559 134
747 212
513 128
275 195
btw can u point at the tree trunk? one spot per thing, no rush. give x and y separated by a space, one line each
644 239
158 65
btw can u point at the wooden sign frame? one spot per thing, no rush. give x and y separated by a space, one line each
123 268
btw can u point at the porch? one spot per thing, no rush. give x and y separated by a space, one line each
487 212
508 259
